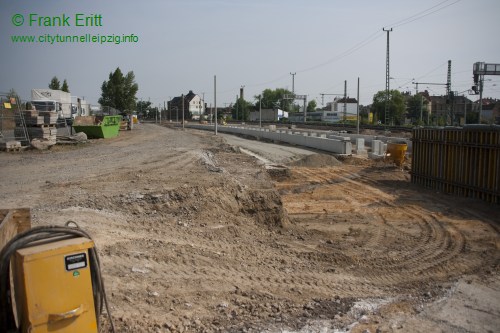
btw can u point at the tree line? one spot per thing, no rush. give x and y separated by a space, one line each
120 90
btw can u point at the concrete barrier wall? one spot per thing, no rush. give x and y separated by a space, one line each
385 139
337 146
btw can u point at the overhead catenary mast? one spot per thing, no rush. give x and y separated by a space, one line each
387 78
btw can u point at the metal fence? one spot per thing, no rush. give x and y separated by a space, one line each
105 111
460 161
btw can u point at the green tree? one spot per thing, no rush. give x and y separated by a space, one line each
396 107
119 91
55 84
311 106
143 108
65 86
273 98
241 109
414 104
472 117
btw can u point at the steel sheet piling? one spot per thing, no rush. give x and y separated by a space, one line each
460 161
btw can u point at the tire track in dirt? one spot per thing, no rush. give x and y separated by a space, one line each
397 246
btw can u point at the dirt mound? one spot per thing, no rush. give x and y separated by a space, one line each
195 203
316 161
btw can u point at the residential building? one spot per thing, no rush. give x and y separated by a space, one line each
194 106
341 107
333 112
490 113
450 112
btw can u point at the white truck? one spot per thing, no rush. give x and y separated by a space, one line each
53 100
79 107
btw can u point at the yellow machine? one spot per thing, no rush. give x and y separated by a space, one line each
50 281
53 287
396 152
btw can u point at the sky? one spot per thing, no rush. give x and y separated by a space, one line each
180 45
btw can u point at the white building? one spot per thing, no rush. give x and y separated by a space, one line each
335 114
193 104
341 106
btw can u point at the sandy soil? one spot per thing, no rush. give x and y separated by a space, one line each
196 236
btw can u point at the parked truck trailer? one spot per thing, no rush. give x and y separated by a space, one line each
53 100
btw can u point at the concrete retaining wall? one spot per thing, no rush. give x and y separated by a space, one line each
337 146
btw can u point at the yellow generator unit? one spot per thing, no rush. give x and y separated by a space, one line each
55 285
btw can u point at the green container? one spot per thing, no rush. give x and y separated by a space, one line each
98 127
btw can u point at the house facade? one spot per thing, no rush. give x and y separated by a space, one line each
341 106
450 112
194 106
490 113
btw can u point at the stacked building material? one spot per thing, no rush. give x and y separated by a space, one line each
461 161
12 145
39 125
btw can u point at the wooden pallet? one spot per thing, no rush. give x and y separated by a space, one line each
12 222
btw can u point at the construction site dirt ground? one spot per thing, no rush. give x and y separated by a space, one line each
197 235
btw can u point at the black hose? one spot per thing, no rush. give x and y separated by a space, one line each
23 240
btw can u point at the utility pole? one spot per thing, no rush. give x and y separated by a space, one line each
169 108
260 110
202 107
481 83
236 107
305 108
211 114
357 108
345 101
449 95
387 78
215 102
182 111
293 82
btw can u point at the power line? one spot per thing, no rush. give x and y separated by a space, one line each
344 54
423 14
374 36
